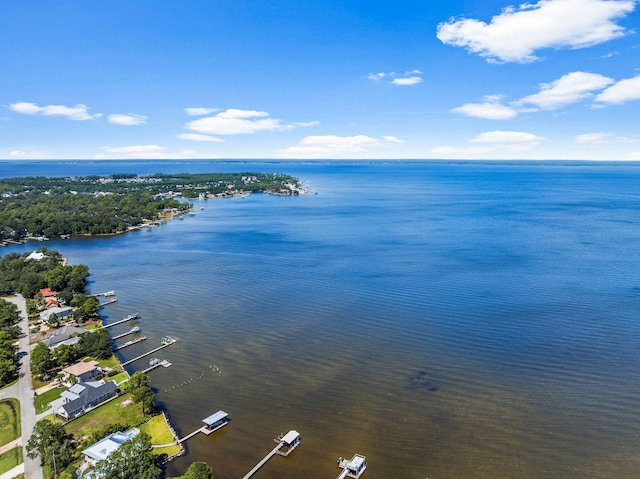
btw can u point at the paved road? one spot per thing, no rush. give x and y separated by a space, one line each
23 391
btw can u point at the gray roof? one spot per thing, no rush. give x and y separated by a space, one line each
63 334
90 396
214 418
101 449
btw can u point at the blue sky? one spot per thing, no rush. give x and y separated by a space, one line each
310 79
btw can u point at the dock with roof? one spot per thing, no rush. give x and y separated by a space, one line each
353 467
288 442
211 424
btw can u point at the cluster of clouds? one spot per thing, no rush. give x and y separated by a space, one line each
213 126
408 78
328 146
514 35
79 112
517 33
568 89
233 122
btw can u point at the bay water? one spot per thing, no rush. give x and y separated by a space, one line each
458 321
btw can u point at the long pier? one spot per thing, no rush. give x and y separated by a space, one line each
131 317
291 440
112 300
130 343
107 294
165 344
131 331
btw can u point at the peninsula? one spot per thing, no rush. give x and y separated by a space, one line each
42 207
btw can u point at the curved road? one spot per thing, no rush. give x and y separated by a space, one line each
23 391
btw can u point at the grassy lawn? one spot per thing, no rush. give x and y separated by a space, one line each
38 383
92 326
160 434
111 362
9 420
10 459
42 401
117 411
119 378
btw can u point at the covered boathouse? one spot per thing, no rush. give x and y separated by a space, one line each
216 421
353 467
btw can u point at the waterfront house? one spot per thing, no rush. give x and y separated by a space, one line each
101 449
84 396
60 313
65 335
36 256
83 371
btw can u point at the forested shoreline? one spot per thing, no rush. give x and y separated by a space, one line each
98 205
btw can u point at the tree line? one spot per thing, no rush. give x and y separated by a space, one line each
94 205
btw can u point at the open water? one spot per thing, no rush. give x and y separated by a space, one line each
454 321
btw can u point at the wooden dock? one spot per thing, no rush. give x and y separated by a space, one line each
166 343
112 300
131 317
107 294
131 331
156 364
130 343
291 440
212 424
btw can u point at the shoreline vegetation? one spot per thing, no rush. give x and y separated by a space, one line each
42 277
40 208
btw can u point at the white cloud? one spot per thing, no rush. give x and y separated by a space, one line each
407 81
408 78
79 112
569 88
127 120
29 154
603 137
622 92
490 109
491 144
239 122
329 146
199 111
593 138
513 138
634 155
199 137
516 33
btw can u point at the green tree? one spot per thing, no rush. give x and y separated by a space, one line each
96 344
41 359
199 470
138 386
137 380
8 371
49 439
91 306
